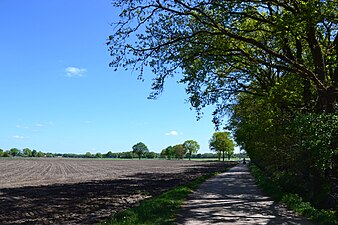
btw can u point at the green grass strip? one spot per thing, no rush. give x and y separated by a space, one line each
293 201
159 210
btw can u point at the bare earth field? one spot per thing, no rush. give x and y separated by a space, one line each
79 191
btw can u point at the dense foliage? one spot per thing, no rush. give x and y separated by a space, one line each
221 143
298 150
140 149
179 151
293 201
271 65
191 147
26 152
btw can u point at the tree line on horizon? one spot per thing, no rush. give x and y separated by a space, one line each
115 155
220 143
111 155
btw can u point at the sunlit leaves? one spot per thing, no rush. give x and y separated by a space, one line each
223 46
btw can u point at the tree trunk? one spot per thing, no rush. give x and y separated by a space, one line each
307 94
327 100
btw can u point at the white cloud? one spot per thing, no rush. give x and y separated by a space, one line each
18 137
39 125
22 126
75 72
172 133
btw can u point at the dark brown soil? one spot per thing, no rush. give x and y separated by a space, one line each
58 191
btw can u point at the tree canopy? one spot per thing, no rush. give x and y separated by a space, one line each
168 152
222 143
191 147
271 65
223 47
179 151
139 149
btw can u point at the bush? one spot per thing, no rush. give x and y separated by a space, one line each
293 201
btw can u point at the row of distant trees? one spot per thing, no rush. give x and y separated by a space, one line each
14 152
220 143
26 152
179 151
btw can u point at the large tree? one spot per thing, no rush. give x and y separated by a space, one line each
223 47
274 64
191 147
139 149
168 152
14 152
27 152
179 151
296 149
221 142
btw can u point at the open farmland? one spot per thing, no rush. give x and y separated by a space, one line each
66 191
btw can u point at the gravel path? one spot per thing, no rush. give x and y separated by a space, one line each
233 198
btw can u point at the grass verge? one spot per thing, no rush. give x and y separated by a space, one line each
159 210
293 201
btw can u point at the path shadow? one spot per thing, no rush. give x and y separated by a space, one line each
233 198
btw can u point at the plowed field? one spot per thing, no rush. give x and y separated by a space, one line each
65 191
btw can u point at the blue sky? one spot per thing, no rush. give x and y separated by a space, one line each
58 93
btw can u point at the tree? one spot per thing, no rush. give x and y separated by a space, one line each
50 155
168 152
98 155
295 148
151 155
27 152
110 154
139 149
162 154
40 154
221 142
224 46
14 152
1 152
191 146
6 154
269 64
126 155
34 153
88 155
179 151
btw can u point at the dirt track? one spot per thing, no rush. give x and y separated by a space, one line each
58 191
